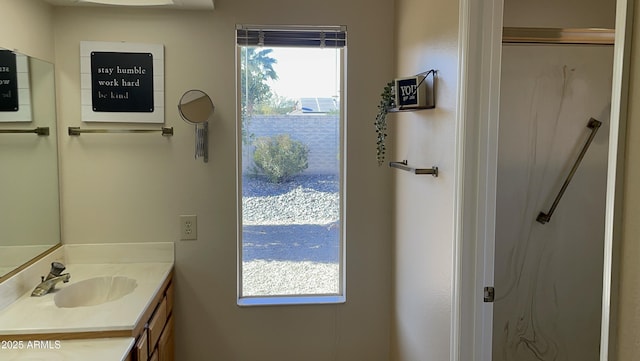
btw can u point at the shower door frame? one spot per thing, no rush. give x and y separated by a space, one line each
480 44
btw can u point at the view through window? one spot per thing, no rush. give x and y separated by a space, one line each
291 171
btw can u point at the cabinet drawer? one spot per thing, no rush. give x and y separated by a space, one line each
156 324
142 348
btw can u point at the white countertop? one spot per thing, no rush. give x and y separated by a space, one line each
148 263
33 315
107 349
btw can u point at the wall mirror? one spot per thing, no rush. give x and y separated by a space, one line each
196 107
29 192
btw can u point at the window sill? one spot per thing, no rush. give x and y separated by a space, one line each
290 300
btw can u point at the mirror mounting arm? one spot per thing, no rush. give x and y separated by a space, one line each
196 108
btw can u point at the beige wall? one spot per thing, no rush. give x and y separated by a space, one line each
427 37
27 27
132 188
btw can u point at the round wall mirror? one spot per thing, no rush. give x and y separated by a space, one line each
196 107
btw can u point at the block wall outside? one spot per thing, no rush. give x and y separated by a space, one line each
318 132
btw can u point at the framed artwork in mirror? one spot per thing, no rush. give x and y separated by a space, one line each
15 96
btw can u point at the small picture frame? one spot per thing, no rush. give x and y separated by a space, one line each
411 92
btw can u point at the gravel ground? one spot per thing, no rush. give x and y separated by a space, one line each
263 278
304 200
290 236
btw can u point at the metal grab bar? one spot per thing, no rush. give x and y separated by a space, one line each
403 165
594 125
39 131
77 131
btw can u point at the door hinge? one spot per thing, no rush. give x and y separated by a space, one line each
489 294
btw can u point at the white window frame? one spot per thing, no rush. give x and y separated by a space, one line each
275 300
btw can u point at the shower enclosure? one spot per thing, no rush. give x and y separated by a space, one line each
548 271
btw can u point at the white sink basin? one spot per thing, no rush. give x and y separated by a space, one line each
94 291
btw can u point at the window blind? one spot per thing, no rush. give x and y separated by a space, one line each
334 37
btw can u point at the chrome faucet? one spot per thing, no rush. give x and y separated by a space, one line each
51 280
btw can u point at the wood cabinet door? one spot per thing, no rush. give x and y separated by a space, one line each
156 324
142 348
166 344
154 356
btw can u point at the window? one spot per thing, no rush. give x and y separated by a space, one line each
291 244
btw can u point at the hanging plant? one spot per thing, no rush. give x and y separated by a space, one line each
386 103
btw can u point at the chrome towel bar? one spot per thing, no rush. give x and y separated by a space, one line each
594 125
39 131
77 131
404 166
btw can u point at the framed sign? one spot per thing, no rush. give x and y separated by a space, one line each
411 92
15 94
122 82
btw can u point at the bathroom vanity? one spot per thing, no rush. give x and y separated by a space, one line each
117 304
